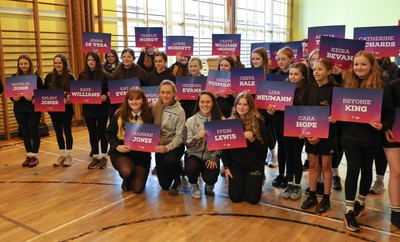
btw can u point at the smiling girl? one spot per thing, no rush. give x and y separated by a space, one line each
198 159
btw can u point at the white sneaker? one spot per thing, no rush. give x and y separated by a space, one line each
59 161
195 190
274 159
377 188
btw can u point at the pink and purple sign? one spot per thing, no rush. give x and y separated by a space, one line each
49 100
265 45
225 134
149 36
359 105
396 126
151 93
315 34
278 94
119 88
218 81
296 47
100 42
340 51
245 79
382 41
311 121
87 92
18 86
189 87
273 77
226 44
182 45
142 137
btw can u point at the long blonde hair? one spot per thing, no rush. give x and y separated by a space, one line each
250 121
374 79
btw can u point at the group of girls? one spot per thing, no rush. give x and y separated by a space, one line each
243 167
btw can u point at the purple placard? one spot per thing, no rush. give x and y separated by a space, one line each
245 79
149 36
340 51
225 134
226 44
218 81
142 137
312 121
382 41
265 45
87 92
296 46
273 77
49 100
151 92
315 34
359 105
279 94
100 42
18 86
119 88
189 87
182 45
396 126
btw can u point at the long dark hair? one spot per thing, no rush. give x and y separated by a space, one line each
99 72
66 72
304 84
118 71
31 71
125 111
215 111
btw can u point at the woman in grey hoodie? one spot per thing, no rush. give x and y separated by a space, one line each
198 159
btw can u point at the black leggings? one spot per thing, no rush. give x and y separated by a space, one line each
294 148
62 126
380 162
246 184
193 167
281 149
169 167
128 169
358 159
97 132
29 126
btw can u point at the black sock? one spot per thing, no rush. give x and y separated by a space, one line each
326 197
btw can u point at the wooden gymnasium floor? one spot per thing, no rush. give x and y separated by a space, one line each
76 204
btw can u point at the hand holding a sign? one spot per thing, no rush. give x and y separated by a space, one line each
16 99
104 98
201 134
122 148
336 70
249 136
375 125
331 120
161 149
271 109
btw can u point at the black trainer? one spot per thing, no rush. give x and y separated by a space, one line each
284 182
95 162
336 183
174 190
277 181
351 221
319 191
309 202
323 206
125 185
358 209
395 219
